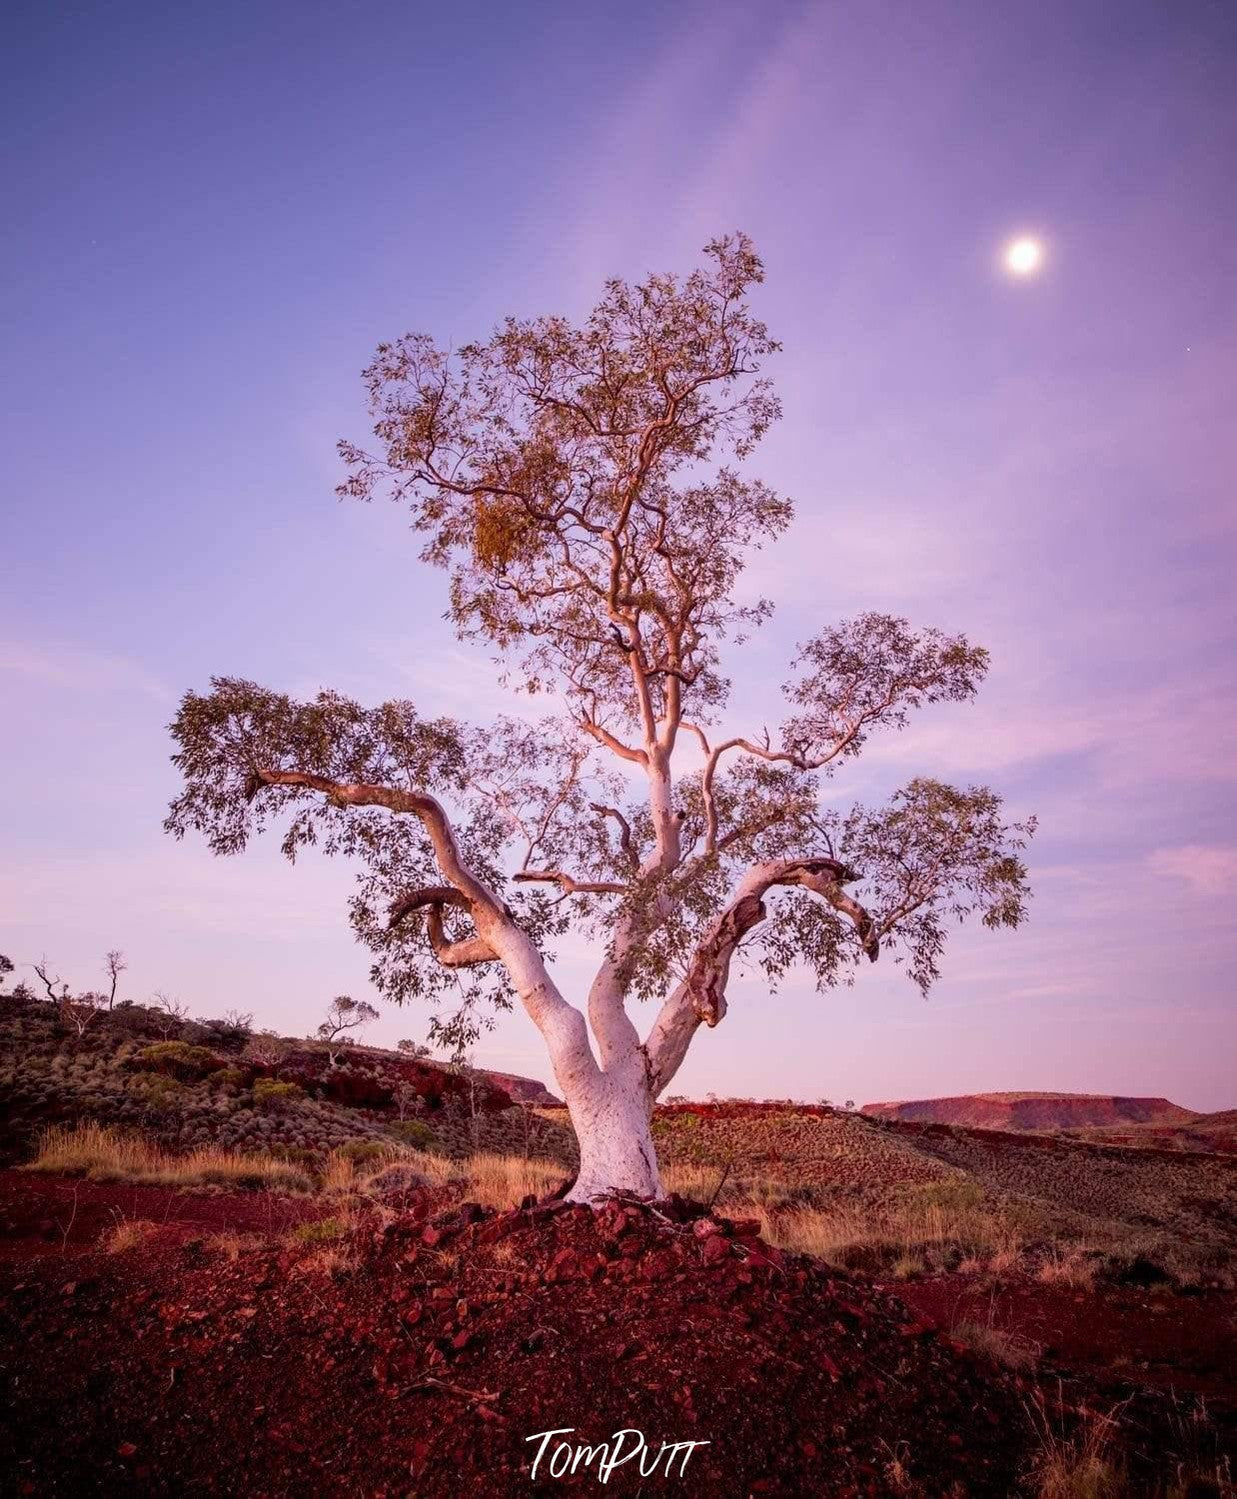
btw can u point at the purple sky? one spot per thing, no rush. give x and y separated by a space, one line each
215 212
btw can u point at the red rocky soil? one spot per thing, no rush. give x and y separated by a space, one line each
1152 1335
175 1367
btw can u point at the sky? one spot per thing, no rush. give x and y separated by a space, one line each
215 212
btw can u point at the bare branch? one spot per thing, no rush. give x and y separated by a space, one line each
568 884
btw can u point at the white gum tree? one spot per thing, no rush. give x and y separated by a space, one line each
581 486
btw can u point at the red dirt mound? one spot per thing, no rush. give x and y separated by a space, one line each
1005 1111
172 1368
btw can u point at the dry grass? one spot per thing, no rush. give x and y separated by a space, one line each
501 1181
1072 1268
329 1259
127 1234
494 1181
1009 1349
1082 1464
906 1234
102 1153
232 1245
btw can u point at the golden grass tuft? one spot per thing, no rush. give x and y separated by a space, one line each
501 1181
1081 1464
231 1244
1009 1349
101 1153
1073 1267
907 1234
127 1234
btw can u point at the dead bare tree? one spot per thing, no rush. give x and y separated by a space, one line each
51 984
114 964
581 485
170 1013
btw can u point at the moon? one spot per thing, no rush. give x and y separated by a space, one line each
1023 256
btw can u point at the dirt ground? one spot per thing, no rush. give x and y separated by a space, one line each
239 1344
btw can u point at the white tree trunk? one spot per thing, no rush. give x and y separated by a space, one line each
611 1113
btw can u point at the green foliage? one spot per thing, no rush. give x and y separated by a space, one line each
229 1077
413 1133
159 1091
270 1093
359 1151
579 483
177 1059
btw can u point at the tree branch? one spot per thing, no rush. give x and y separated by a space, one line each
569 884
701 997
469 952
561 1024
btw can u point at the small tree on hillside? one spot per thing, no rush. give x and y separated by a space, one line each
57 988
80 1010
345 1014
168 1014
575 481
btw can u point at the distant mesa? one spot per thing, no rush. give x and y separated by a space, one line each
1014 1111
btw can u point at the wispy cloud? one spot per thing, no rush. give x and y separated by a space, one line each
1208 870
78 669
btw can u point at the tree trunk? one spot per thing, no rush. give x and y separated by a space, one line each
611 1113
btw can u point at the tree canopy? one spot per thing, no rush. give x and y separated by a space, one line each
582 487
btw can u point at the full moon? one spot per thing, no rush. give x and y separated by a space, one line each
1023 257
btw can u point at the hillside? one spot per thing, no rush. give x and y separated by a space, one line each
1034 1111
213 1213
522 1089
204 1083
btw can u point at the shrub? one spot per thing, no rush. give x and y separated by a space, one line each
413 1133
159 1092
356 1088
231 1033
229 1077
269 1093
177 1059
358 1151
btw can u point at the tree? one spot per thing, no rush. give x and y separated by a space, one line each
6 967
413 1049
345 1014
580 485
80 1010
57 988
114 963
169 1014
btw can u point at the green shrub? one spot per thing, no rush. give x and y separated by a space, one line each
229 1077
159 1092
269 1093
361 1150
413 1133
177 1059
